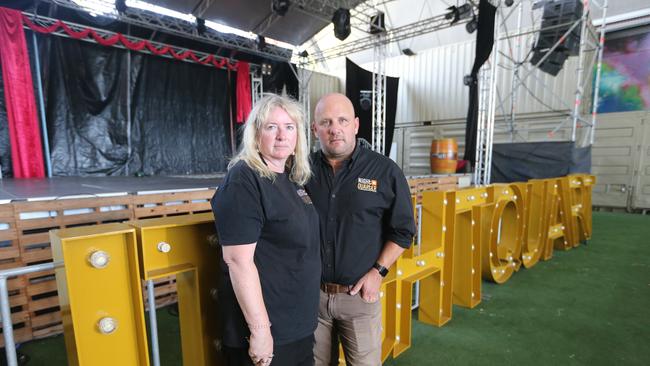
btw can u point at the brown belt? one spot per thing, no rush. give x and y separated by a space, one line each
335 288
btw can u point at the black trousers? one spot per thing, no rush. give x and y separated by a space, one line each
298 353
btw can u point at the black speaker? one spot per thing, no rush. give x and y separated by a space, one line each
341 20
558 17
365 99
553 63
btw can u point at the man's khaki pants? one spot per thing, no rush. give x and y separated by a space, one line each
355 322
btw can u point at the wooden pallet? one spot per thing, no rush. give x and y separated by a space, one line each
165 292
9 248
170 204
425 184
18 303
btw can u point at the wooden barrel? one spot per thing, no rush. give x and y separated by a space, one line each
444 153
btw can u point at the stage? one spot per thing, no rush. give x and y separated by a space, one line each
12 190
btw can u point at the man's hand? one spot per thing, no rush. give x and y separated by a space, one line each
369 286
261 347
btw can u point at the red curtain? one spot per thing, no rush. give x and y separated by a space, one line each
24 132
244 102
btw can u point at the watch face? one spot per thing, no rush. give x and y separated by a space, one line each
383 271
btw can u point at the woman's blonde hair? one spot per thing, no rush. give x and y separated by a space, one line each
298 164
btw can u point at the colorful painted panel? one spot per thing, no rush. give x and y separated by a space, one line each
625 78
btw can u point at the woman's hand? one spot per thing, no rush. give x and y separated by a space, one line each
261 346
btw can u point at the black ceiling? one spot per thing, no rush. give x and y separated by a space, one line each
295 27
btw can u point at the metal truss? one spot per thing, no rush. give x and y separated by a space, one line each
589 55
44 21
487 91
415 29
186 29
257 87
304 74
379 94
509 58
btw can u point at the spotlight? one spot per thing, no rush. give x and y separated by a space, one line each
304 54
457 13
509 2
260 43
408 52
469 80
341 20
471 26
266 69
120 6
280 7
200 26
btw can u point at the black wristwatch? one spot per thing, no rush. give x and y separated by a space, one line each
383 271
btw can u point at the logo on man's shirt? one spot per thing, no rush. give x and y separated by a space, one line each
304 196
368 185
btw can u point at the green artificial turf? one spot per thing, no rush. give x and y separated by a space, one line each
586 306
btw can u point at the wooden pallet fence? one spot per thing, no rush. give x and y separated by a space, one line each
170 204
426 184
17 302
164 290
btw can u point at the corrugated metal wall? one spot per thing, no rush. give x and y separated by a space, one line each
431 85
321 84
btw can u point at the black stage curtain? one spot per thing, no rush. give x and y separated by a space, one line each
179 113
180 118
519 162
484 42
358 87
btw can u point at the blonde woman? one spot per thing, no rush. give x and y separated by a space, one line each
268 230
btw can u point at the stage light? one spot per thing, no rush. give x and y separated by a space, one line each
304 53
457 13
266 69
120 6
471 25
509 2
408 52
260 43
469 80
200 26
341 20
280 7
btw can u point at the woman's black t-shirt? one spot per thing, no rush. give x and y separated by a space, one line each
280 217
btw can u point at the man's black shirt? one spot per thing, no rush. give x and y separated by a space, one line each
365 204
280 217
